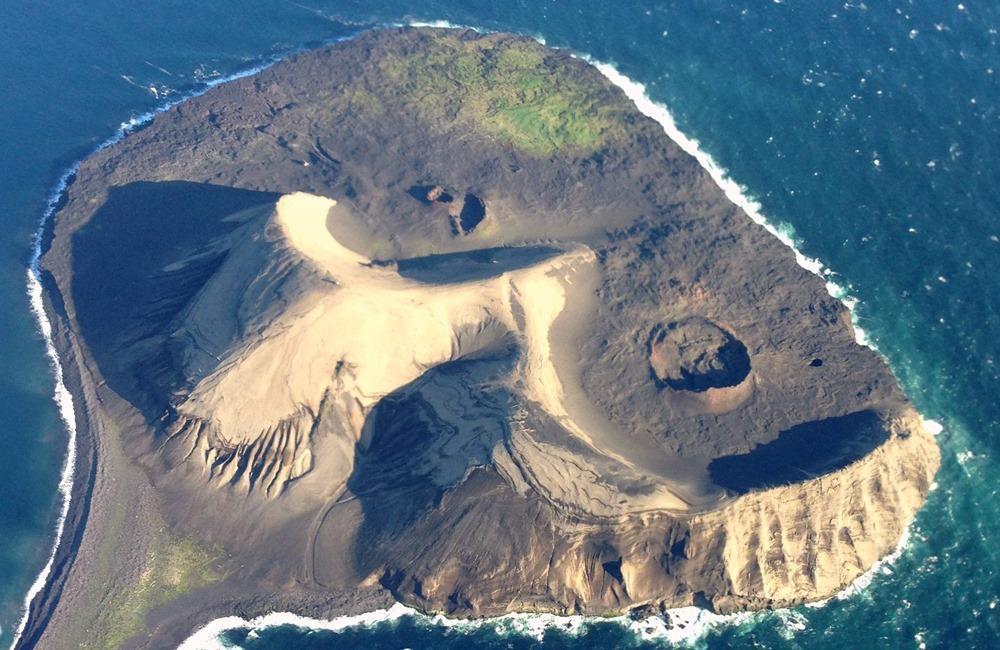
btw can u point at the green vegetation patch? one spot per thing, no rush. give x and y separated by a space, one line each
514 90
173 567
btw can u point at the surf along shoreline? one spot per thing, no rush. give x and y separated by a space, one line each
82 459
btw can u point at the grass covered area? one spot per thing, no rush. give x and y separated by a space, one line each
514 90
172 567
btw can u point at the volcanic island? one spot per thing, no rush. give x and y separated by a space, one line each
439 317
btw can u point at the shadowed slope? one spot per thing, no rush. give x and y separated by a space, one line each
140 260
802 452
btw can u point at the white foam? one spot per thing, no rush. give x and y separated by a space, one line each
440 24
964 457
445 24
737 194
207 637
678 626
933 427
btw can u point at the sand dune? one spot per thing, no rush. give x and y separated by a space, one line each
358 330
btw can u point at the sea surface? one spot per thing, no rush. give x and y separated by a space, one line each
869 135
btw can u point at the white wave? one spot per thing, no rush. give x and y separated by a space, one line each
933 427
207 637
441 24
677 626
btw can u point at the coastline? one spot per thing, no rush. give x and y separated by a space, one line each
76 487
675 626
61 395
83 447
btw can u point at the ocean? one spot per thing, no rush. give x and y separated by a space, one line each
867 136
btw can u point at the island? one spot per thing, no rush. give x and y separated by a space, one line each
439 317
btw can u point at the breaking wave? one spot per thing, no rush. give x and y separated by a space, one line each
676 626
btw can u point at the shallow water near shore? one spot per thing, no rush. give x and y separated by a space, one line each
868 134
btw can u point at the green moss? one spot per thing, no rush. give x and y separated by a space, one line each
361 100
173 567
509 89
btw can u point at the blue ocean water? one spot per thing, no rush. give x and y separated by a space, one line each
870 132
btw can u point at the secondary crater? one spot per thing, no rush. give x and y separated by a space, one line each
465 214
471 215
694 354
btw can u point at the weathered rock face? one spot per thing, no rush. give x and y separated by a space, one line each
781 546
512 351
